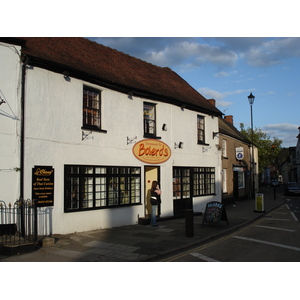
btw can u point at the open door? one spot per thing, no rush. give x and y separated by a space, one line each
151 174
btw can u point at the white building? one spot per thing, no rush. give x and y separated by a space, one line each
104 125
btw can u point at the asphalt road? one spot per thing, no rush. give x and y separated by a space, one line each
273 238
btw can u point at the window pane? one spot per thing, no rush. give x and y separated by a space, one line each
113 191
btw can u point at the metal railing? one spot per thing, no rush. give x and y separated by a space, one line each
23 222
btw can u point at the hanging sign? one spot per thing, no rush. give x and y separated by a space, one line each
239 152
151 151
43 185
214 213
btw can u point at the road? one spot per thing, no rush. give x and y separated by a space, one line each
273 238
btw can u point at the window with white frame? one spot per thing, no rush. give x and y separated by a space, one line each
224 148
224 180
241 180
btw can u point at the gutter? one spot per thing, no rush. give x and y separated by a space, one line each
22 141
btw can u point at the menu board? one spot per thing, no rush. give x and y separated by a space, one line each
43 185
214 213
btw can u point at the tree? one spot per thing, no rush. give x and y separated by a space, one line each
268 149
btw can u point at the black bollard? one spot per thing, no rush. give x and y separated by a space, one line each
189 223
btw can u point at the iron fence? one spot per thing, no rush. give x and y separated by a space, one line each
23 222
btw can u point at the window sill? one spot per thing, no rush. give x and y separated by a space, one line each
93 129
202 144
150 136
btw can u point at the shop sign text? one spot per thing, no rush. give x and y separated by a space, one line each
151 151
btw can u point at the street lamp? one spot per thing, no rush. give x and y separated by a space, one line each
251 101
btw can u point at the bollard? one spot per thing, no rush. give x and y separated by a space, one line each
189 223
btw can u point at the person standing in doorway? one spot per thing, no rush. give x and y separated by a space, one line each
155 200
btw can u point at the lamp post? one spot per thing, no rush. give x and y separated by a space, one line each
252 178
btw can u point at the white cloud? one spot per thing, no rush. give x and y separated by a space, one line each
221 74
211 94
273 52
285 132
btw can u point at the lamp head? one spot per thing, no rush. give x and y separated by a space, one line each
251 98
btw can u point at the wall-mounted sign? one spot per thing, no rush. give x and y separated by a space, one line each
43 185
239 152
151 151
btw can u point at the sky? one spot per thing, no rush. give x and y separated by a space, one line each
228 69
223 49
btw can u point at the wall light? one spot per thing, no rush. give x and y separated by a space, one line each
66 76
130 95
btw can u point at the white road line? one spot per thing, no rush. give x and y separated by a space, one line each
278 219
203 257
269 227
295 218
267 243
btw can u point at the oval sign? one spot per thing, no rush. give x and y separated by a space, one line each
151 151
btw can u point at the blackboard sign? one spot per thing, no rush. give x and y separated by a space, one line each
214 213
43 185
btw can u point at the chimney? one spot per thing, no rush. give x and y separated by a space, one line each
212 101
229 119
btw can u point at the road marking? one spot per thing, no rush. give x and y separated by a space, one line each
269 227
267 243
203 257
278 219
295 218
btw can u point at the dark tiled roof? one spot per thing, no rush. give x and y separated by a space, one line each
117 69
228 129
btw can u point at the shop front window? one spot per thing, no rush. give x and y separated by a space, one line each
95 187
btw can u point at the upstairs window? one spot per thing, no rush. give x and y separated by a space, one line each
91 108
149 120
224 148
200 129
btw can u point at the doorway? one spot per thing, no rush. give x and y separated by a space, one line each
151 173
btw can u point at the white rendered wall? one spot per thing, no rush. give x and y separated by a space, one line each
10 90
53 137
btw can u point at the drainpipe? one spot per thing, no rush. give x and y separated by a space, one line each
22 138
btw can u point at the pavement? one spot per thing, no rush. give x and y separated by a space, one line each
144 243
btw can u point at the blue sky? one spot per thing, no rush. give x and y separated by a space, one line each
227 70
245 58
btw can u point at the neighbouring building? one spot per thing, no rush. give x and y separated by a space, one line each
85 129
289 162
236 155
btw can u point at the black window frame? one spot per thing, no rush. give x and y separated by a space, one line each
100 187
148 121
91 109
204 181
200 131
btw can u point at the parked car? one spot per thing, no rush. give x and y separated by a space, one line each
292 188
274 182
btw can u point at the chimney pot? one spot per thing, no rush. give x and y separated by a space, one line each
229 119
212 101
